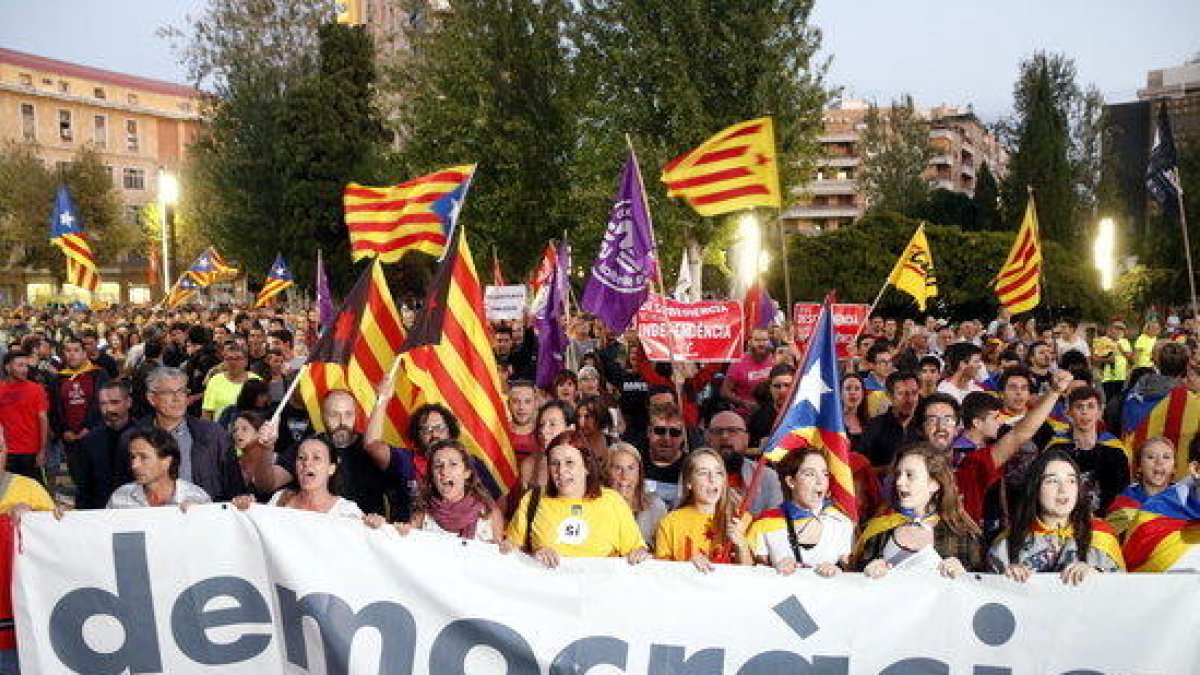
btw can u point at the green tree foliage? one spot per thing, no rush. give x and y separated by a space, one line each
27 201
896 153
1055 134
947 207
491 83
987 201
670 73
857 260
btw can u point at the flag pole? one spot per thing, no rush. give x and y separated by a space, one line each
662 292
1187 250
287 396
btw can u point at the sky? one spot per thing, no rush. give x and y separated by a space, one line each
953 53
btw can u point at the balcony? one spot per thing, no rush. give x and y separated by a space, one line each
940 160
839 162
813 212
839 137
829 187
944 134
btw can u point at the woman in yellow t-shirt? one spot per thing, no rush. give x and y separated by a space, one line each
709 525
576 516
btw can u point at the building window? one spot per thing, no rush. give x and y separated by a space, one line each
133 99
132 214
100 132
26 80
64 86
64 126
131 135
98 92
47 82
28 122
108 172
134 179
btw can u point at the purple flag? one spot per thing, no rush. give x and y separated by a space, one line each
620 279
552 338
325 309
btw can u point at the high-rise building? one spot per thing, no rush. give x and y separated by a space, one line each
139 126
960 141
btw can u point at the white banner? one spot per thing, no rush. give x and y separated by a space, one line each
282 591
504 302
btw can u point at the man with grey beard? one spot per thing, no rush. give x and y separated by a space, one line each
363 474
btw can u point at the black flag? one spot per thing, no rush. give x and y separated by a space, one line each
1162 172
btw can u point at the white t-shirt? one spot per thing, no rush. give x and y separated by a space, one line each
342 507
771 539
948 387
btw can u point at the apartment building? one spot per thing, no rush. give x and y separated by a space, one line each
960 141
138 125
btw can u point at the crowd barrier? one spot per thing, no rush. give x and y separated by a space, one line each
272 590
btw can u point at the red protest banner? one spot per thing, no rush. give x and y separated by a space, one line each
699 331
847 320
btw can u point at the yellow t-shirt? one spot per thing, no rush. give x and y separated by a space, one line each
1143 351
682 534
220 393
579 528
25 490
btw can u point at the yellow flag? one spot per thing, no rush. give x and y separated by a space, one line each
913 272
348 11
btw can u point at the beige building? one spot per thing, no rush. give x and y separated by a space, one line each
960 141
138 125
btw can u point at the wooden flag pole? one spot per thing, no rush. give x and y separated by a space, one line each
1187 250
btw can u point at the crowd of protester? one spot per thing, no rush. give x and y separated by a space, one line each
974 449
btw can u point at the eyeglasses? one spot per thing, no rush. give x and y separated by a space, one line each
675 432
725 431
432 428
941 420
169 392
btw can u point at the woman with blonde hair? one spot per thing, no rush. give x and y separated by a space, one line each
623 472
709 525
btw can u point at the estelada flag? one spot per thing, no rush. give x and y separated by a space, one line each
913 272
184 288
1174 414
355 354
1019 283
734 170
1166 530
812 416
278 280
448 359
419 215
66 232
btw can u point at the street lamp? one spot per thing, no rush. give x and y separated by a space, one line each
1103 250
168 196
749 250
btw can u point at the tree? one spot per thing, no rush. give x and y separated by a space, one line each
987 200
1056 138
896 153
670 73
491 83
947 207
27 200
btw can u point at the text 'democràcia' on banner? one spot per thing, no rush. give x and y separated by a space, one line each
275 590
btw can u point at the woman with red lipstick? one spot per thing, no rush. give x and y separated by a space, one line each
707 527
574 515
452 499
1053 529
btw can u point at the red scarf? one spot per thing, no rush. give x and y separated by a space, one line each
459 517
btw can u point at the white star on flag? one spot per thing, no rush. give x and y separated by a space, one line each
812 386
66 219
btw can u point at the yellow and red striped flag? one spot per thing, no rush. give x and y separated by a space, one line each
278 280
733 170
387 222
1019 284
355 354
448 359
66 232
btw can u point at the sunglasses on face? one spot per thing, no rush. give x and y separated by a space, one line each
675 432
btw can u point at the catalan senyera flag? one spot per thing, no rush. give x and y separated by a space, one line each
66 232
1019 284
1166 531
812 415
735 169
448 359
913 273
1174 414
278 280
185 287
387 222
355 354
